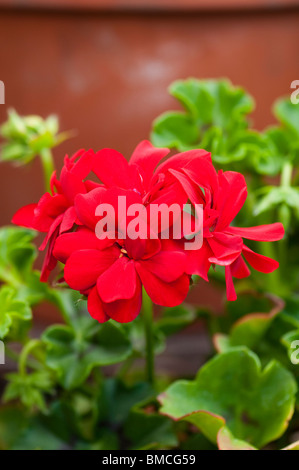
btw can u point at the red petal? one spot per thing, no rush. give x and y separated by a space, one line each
239 268
226 248
124 311
263 233
25 216
86 204
68 220
83 239
90 185
55 225
231 197
49 262
83 267
202 172
193 191
259 262
83 165
118 282
71 185
180 160
168 294
167 266
147 157
48 209
95 306
198 261
112 169
230 289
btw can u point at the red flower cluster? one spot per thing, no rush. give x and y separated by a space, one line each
111 271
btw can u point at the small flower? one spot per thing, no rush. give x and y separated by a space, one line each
26 137
111 271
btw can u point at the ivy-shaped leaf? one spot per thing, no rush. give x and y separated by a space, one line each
226 441
249 329
148 429
232 390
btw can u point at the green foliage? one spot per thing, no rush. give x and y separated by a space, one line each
244 397
12 311
216 119
248 330
212 109
145 428
233 390
17 254
29 389
74 352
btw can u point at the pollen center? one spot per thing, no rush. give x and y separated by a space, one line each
123 252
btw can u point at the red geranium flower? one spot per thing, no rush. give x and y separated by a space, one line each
144 173
223 195
111 272
55 213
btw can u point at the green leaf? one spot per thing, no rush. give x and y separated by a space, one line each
291 341
135 332
149 430
175 319
29 389
293 446
232 390
175 130
276 196
17 253
13 421
37 437
215 114
226 441
73 353
12 311
117 399
288 113
250 329
213 101
291 311
107 440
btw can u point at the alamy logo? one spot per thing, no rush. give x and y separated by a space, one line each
2 93
295 94
2 353
295 354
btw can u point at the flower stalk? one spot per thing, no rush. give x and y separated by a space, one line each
48 166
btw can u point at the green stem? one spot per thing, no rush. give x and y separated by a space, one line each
284 216
32 344
286 174
48 166
126 366
148 326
